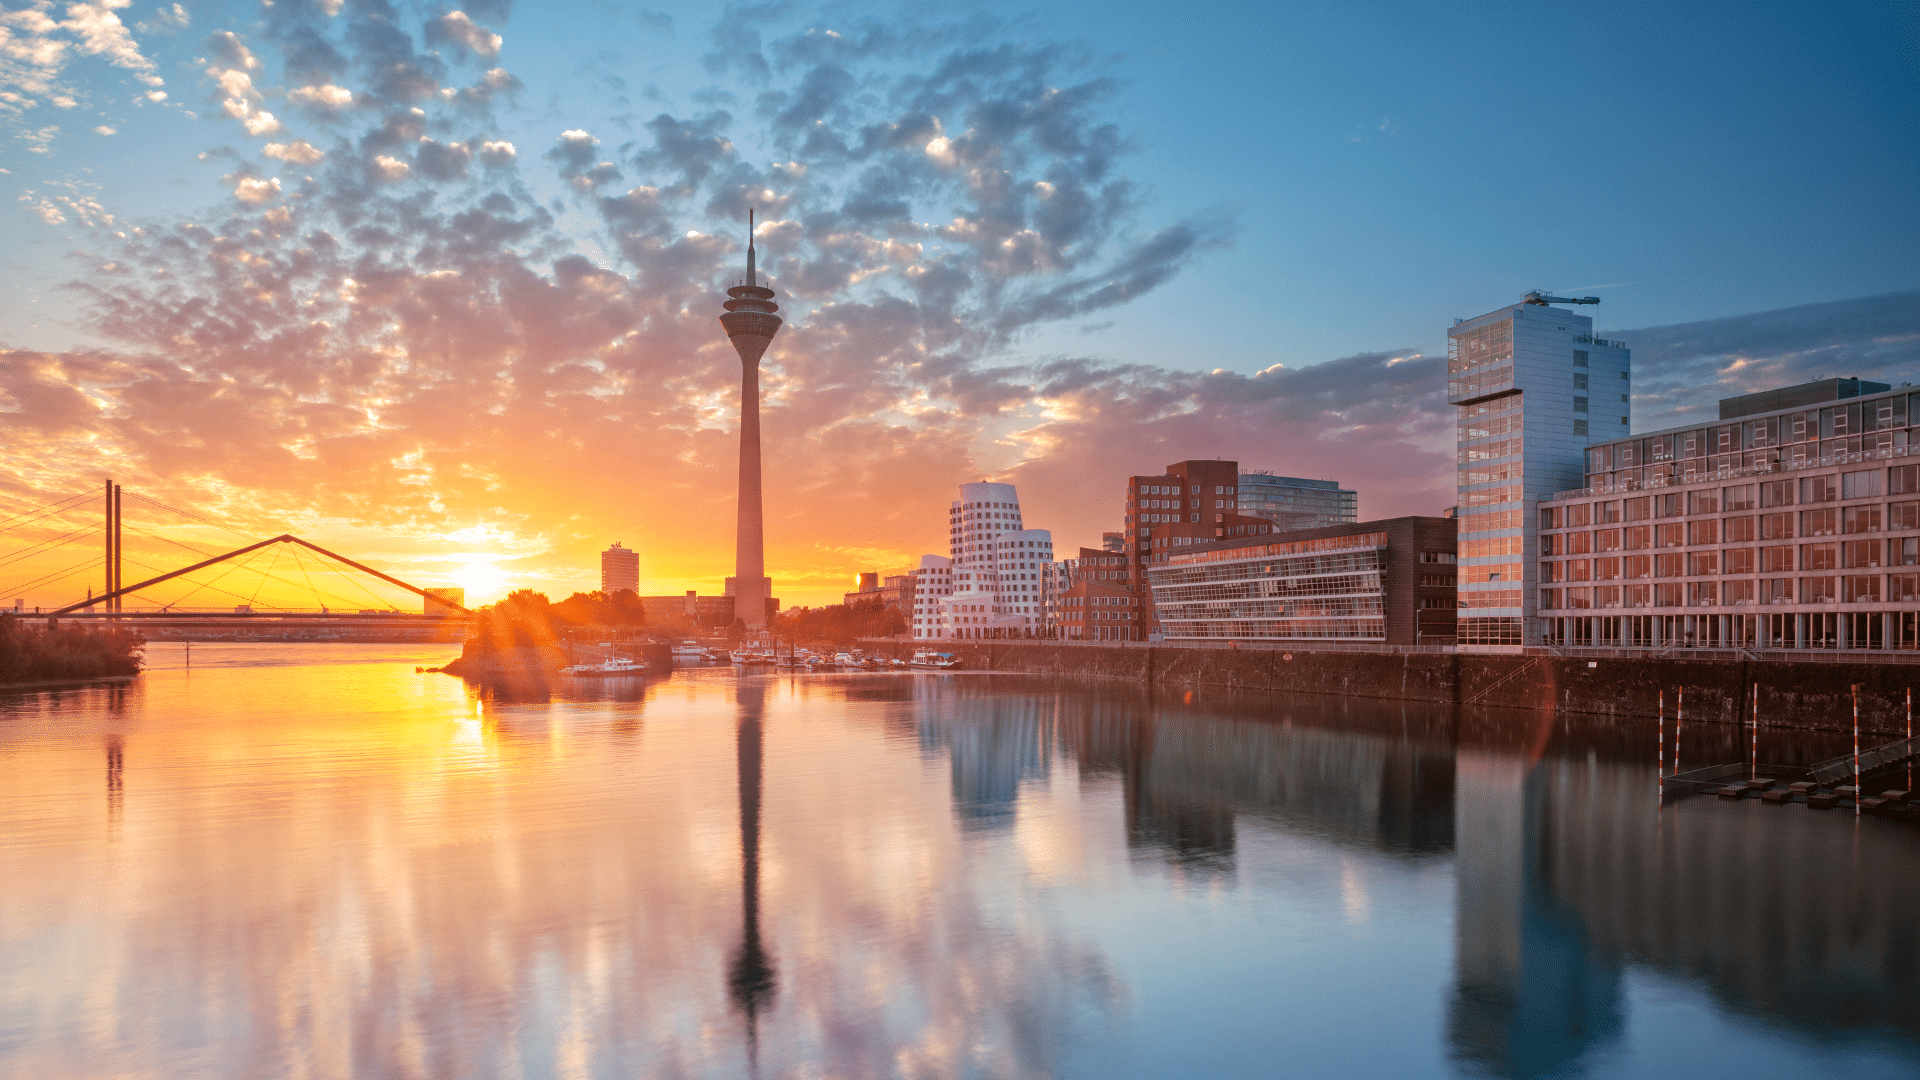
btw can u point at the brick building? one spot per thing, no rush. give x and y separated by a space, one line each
1193 502
1096 602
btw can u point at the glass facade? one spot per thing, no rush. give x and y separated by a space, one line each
1318 590
1294 503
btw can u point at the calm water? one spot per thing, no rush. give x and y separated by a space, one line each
310 861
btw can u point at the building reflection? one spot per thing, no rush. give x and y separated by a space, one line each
1567 872
994 743
751 975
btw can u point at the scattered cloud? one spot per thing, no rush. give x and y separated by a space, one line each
455 28
105 130
297 152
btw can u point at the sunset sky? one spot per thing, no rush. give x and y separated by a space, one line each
437 288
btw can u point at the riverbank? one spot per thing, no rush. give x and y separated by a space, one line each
1800 695
32 653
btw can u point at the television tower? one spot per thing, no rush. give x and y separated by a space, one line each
750 324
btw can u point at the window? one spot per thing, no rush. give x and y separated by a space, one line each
1669 564
1639 595
1703 502
1703 593
1816 489
1638 537
1904 552
1671 534
1639 509
1579 404
1776 591
1703 562
1817 556
1776 560
1817 590
1703 532
1860 519
1739 530
1778 492
1737 592
1579 382
1903 479
1667 595
1578 543
1579 570
1776 526
1860 485
1859 554
1738 498
1580 427
1903 588
1636 566
1903 515
1817 522
1667 504
1606 513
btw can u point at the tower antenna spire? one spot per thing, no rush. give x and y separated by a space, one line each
750 279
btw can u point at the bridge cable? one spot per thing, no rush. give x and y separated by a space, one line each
58 541
203 554
215 588
47 579
70 500
214 583
196 517
377 599
277 549
300 561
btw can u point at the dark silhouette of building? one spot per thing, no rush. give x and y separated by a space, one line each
750 323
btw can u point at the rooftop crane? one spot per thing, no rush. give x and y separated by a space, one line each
1542 299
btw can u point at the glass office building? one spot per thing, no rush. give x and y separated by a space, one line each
1295 503
1533 388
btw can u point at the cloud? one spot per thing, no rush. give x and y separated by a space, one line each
166 20
101 33
297 152
325 96
1680 372
105 130
454 28
426 357
254 190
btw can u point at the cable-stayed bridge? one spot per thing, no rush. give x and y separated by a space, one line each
217 595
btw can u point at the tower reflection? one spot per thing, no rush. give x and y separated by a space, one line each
751 976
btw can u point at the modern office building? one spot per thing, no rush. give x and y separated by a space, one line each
1794 522
1002 573
619 569
1112 541
1390 582
1533 389
704 611
1295 503
932 584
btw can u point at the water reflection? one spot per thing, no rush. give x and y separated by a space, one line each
346 869
750 978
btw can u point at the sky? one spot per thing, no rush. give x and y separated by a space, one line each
436 286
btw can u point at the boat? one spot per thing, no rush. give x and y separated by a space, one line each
619 665
927 658
689 651
845 660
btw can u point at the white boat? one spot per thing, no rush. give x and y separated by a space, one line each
927 658
689 650
619 665
845 659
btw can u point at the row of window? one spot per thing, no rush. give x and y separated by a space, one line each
1838 589
1845 554
1842 521
1827 487
1833 421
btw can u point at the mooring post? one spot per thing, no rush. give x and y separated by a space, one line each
1679 718
1660 768
1857 793
1753 754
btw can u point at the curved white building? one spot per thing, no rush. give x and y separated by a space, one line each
999 580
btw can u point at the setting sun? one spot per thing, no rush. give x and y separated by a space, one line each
483 581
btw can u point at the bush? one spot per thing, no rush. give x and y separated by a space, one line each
33 653
840 624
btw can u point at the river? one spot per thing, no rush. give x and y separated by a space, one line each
311 861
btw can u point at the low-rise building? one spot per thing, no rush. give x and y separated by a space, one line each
1097 602
1389 582
1792 523
714 611
1292 502
932 584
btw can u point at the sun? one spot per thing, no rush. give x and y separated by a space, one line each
482 580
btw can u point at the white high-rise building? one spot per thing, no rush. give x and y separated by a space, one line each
1534 388
999 581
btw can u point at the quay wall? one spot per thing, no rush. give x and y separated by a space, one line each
1800 695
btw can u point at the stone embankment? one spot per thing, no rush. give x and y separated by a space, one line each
1804 695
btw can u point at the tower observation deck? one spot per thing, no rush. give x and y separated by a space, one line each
750 323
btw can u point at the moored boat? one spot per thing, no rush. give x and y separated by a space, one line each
619 665
927 658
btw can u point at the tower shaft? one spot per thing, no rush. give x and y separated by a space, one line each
750 323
